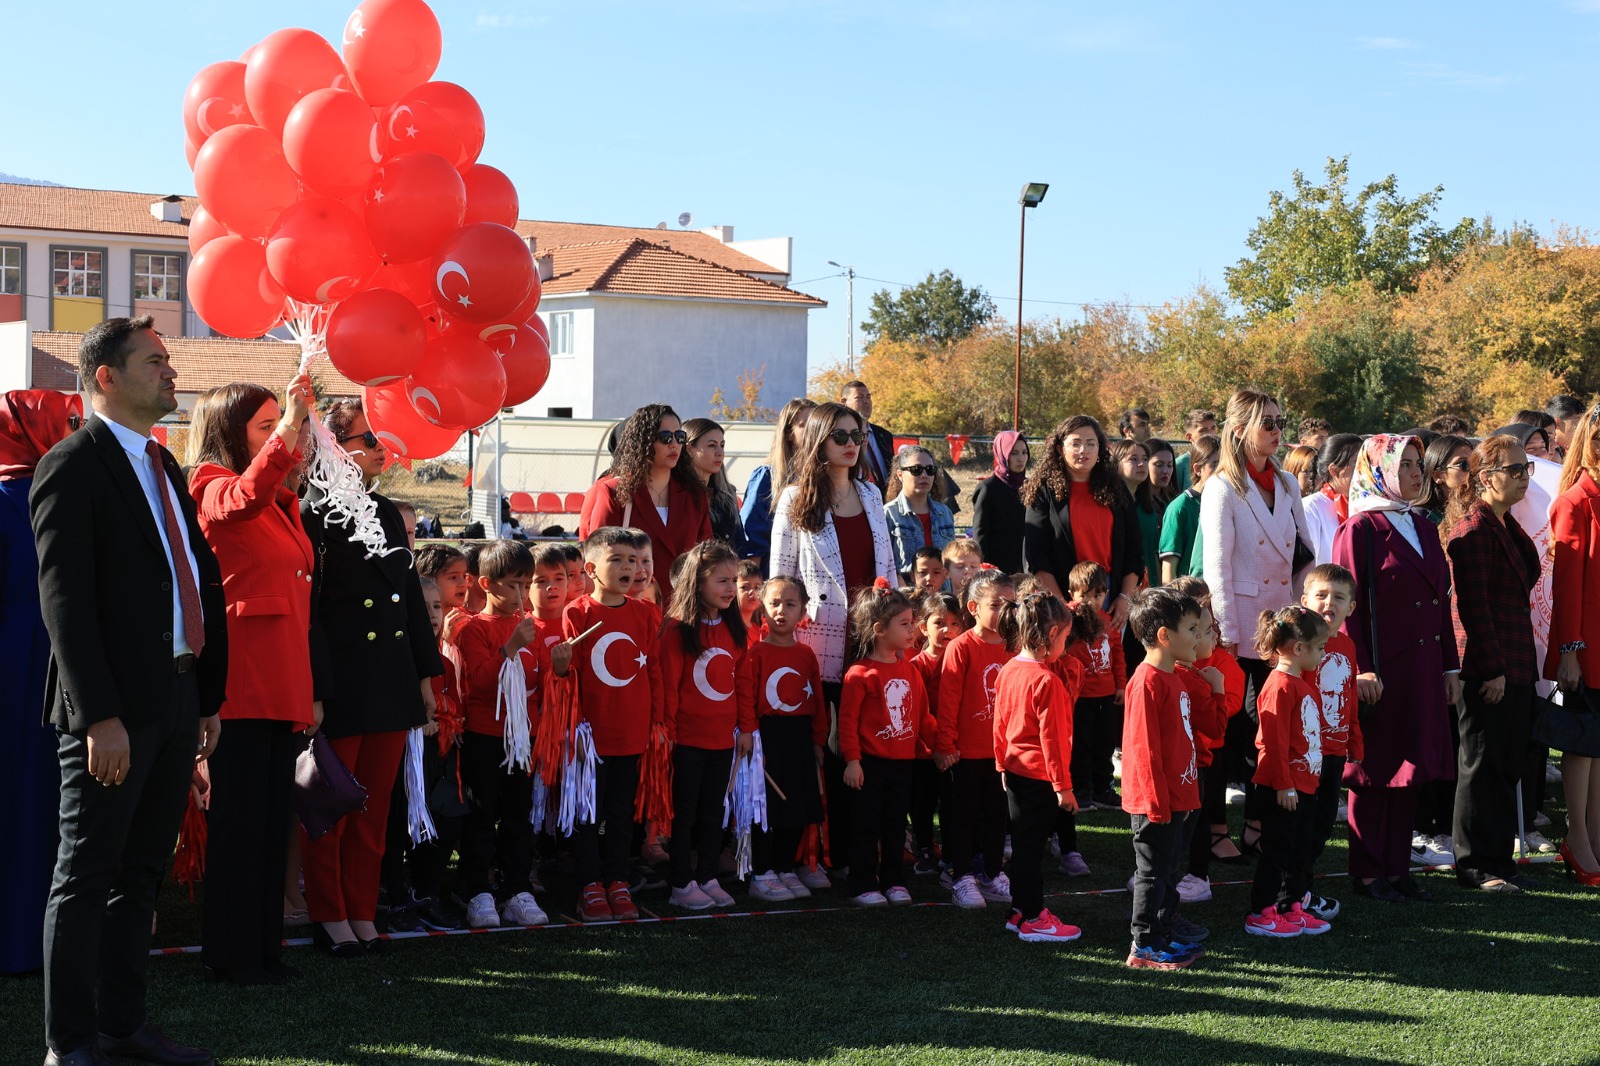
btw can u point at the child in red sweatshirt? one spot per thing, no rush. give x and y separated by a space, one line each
1330 590
1216 683
1097 716
940 620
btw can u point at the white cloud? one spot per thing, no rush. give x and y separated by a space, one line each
1445 74
1389 43
487 21
1585 7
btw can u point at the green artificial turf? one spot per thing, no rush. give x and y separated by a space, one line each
1468 979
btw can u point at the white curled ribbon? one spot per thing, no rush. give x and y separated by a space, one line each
745 803
419 822
511 709
577 805
539 812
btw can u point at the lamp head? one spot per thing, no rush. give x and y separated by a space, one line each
1033 193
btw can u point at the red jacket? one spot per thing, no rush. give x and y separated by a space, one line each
1208 713
883 710
1033 723
480 641
784 682
618 672
1105 671
1289 738
700 706
252 523
1575 579
1159 771
967 680
688 521
1335 683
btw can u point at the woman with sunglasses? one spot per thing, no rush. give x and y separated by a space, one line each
1445 470
704 453
997 511
649 489
1493 568
1250 522
373 658
917 515
1408 667
771 478
830 533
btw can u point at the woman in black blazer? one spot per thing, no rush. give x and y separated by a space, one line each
373 654
1076 475
997 511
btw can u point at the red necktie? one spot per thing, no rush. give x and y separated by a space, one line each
194 628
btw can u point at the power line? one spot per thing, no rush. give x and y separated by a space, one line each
1007 299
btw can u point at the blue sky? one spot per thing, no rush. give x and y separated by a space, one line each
895 136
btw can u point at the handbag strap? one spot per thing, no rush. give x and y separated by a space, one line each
627 515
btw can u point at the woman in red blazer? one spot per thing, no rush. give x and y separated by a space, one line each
647 490
242 450
1573 660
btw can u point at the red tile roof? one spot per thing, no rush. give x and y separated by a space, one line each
690 242
54 207
643 268
202 363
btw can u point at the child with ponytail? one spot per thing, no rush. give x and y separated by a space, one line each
939 621
1289 763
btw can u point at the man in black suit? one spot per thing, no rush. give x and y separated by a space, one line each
133 602
880 442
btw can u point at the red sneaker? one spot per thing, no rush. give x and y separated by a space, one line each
1047 929
1309 923
621 901
592 905
1270 923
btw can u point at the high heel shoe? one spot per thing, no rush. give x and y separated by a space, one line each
1219 836
341 949
1248 848
1589 878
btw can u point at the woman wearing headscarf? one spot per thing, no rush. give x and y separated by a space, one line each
31 423
1406 654
997 511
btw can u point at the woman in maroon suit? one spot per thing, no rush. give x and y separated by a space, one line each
242 450
647 490
1406 651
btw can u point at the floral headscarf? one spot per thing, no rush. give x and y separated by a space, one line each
1375 485
1004 443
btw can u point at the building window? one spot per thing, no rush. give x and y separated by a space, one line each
561 333
559 412
10 269
156 277
79 272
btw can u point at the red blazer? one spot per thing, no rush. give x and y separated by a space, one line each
252 523
1575 578
688 521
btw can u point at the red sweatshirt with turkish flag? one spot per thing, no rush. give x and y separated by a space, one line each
1335 682
1289 738
480 641
1105 672
617 671
967 682
777 682
1033 723
1160 775
700 708
882 711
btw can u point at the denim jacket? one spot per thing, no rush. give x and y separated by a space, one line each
905 530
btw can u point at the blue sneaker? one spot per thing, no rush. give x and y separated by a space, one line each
1154 958
1186 931
1180 947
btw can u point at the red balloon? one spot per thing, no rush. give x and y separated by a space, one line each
412 280
483 272
243 179
331 141
203 229
191 151
231 289
215 99
285 66
390 48
414 202
459 382
491 197
319 252
376 336
404 432
536 324
439 117
526 361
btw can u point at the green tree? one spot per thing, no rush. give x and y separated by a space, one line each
1318 238
1371 374
937 311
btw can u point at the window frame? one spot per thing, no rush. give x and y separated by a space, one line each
22 268
180 258
564 332
104 252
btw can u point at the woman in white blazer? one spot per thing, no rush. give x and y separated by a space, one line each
1250 517
1328 507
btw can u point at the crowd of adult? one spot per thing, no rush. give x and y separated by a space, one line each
163 617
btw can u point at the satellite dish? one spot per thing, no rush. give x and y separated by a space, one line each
685 218
661 225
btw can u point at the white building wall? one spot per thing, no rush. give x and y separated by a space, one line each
37 272
571 381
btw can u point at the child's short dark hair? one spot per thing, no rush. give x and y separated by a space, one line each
470 553
1159 608
784 579
433 558
550 555
1274 629
641 539
1332 574
983 581
1194 587
872 608
1024 583
937 605
749 568
571 551
607 537
501 559
1197 418
1086 577
927 551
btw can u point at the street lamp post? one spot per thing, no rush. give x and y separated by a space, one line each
849 314
1032 196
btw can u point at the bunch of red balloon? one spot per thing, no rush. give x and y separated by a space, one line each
351 185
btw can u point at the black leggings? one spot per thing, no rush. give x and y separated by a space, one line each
699 782
977 818
1032 806
1096 732
877 861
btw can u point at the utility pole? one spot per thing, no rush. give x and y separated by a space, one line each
849 314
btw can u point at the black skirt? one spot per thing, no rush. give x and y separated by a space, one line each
792 763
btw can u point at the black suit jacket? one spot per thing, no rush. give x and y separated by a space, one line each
885 442
106 588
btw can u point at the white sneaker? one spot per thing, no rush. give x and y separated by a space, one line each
1424 852
1538 843
872 898
965 894
815 878
1235 796
1540 819
797 887
770 888
1446 845
1194 889
523 909
719 898
898 896
995 890
482 913
691 898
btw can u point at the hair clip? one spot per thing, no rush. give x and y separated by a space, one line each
987 566
882 585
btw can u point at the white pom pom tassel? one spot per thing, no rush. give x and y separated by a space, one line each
578 783
511 700
419 822
745 804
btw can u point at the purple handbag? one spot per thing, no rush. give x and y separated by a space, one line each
324 788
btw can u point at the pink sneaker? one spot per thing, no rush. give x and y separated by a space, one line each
1270 923
1309 923
1047 929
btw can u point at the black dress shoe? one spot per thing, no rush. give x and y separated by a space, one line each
1380 889
1525 882
343 949
376 946
149 1044
1407 886
84 1056
245 976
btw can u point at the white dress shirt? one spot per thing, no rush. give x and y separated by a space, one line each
134 445
1406 526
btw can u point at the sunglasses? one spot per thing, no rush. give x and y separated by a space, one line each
671 436
847 436
369 438
916 470
1514 469
1279 422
